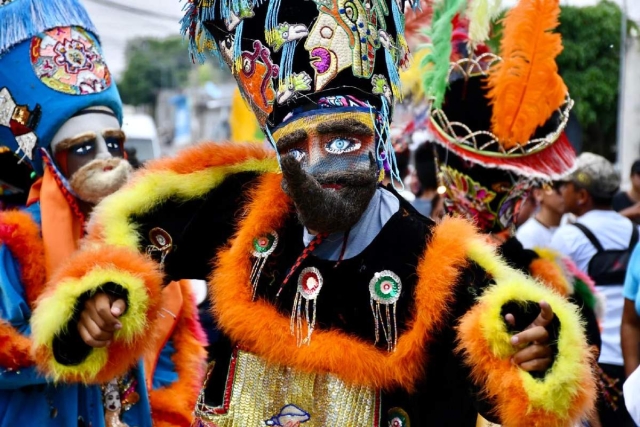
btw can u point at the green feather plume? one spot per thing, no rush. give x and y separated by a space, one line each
436 63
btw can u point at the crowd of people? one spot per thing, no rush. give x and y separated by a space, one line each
361 271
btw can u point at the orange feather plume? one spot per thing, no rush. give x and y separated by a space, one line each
525 88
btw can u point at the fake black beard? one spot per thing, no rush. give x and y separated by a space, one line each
327 210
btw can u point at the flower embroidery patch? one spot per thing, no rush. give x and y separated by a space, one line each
69 60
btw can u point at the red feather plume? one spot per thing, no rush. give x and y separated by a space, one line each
525 88
416 22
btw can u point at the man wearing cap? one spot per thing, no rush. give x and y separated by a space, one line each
337 303
599 230
628 202
60 112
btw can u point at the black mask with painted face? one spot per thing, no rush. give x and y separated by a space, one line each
321 206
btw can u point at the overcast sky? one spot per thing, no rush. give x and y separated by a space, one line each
120 20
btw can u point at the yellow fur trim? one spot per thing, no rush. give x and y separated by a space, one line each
554 393
56 310
154 187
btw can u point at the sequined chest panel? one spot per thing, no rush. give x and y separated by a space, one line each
262 394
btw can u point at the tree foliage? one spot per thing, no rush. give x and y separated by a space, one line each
590 66
153 65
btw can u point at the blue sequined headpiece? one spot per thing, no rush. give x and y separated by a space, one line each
51 68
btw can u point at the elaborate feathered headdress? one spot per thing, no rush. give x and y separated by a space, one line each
498 119
507 111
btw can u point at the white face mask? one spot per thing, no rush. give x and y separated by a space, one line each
93 145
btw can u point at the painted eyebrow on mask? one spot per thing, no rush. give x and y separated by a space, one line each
346 126
291 139
114 133
68 143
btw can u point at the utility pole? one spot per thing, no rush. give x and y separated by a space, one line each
622 86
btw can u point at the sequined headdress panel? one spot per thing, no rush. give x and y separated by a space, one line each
288 54
51 68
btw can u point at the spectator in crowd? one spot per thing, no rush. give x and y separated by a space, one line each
538 230
427 178
599 244
630 328
628 202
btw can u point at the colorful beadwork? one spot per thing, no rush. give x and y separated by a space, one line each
69 60
385 288
292 86
309 285
255 76
468 198
263 246
398 418
289 416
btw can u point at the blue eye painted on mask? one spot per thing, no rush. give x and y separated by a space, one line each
342 146
84 149
297 154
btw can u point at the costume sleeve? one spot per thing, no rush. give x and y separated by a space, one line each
166 223
180 367
20 245
564 394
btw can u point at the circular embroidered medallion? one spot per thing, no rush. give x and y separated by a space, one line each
310 283
264 246
385 287
69 60
398 418
160 238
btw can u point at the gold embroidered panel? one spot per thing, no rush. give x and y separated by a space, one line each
262 394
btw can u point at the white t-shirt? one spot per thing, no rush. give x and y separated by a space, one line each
534 234
631 389
613 231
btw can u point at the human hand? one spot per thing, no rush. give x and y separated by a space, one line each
535 353
99 319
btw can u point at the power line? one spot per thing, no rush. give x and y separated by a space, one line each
136 10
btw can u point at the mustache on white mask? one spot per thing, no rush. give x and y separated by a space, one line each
100 178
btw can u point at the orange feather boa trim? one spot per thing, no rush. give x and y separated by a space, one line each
173 405
259 328
121 354
15 348
550 274
20 233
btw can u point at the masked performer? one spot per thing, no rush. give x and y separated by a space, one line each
487 165
338 303
487 176
60 112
